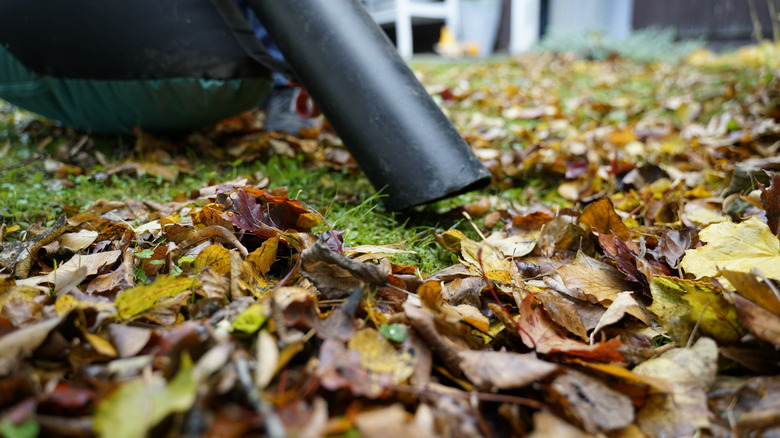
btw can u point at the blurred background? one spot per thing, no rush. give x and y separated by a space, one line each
485 27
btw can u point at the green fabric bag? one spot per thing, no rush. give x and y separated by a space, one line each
117 106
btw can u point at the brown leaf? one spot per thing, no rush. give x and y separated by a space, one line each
334 275
594 279
425 326
340 367
761 322
20 343
749 406
770 199
564 312
540 333
601 217
595 405
749 286
128 340
673 244
684 411
501 370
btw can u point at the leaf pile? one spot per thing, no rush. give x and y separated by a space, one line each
644 305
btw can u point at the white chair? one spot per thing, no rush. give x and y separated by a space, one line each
404 12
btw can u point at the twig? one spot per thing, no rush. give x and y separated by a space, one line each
290 273
495 296
273 424
481 396
768 282
23 162
696 326
332 233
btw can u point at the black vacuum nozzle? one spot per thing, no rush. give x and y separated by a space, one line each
398 135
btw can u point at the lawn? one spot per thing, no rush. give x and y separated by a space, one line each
618 276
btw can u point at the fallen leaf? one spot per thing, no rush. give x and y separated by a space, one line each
79 240
264 256
251 319
340 367
501 370
128 340
481 256
737 247
216 257
86 265
759 321
617 310
138 405
549 425
597 407
751 287
593 278
601 216
379 356
692 303
673 245
18 344
770 199
683 412
133 301
267 359
335 275
540 333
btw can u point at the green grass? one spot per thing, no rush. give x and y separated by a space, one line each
28 194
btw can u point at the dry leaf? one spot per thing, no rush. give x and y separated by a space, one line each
598 407
216 257
681 304
500 370
761 322
379 356
736 247
683 412
133 301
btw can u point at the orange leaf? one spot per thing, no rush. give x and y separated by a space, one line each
601 216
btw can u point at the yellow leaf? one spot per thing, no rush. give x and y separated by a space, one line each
216 256
140 298
65 304
483 255
704 216
26 293
262 258
621 137
681 304
170 220
101 345
736 247
379 356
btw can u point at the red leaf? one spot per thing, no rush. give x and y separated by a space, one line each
540 333
249 215
770 199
